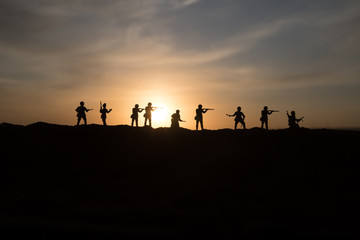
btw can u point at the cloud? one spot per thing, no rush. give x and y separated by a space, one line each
82 41
184 3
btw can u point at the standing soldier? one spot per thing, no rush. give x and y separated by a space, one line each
293 121
135 114
239 117
103 112
81 113
264 116
147 114
175 119
199 116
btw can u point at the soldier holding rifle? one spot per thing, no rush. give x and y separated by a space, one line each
135 114
293 121
103 112
81 113
264 116
199 116
148 111
239 117
175 119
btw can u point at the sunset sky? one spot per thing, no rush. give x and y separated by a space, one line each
287 54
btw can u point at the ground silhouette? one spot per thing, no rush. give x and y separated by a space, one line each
120 181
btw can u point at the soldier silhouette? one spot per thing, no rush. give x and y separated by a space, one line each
175 119
147 114
103 112
264 116
293 121
199 116
239 118
135 115
81 113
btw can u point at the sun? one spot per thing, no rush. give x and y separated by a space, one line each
161 116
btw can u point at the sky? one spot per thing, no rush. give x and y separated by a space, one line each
286 54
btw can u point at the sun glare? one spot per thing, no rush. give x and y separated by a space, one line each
161 116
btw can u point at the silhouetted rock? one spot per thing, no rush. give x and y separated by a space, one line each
9 125
115 181
45 125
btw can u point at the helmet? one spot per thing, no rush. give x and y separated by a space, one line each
149 104
265 107
239 108
136 105
82 103
200 106
292 112
177 111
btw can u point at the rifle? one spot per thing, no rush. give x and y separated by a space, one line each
208 109
273 110
89 109
154 108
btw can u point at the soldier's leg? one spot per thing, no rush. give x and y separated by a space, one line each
78 121
85 122
104 121
136 122
266 125
202 124
150 122
145 121
243 123
236 123
197 124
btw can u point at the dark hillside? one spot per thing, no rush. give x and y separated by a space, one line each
110 182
